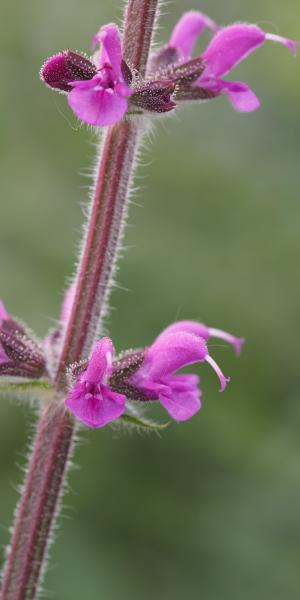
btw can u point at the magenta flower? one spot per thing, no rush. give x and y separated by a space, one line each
229 46
91 399
102 388
175 348
97 90
101 90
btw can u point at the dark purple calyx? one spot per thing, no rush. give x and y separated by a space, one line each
25 358
190 93
186 73
154 96
123 369
185 76
65 67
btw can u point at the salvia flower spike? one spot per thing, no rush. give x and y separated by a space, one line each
103 89
104 384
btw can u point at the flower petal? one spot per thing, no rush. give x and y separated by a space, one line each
229 47
171 353
188 326
111 53
100 363
95 105
96 411
187 31
204 332
240 95
181 406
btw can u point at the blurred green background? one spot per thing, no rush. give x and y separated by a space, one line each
211 508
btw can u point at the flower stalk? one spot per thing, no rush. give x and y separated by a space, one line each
38 508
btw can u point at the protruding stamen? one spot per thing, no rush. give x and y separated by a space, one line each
223 380
227 337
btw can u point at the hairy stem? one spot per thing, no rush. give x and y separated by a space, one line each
38 505
101 244
49 459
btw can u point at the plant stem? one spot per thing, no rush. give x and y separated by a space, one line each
52 446
101 244
38 505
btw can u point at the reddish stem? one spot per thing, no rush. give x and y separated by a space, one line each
38 505
101 244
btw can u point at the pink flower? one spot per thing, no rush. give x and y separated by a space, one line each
91 399
178 346
97 90
100 391
229 46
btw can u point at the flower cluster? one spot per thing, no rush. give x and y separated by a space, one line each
105 383
103 88
100 390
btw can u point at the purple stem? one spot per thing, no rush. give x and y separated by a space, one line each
39 504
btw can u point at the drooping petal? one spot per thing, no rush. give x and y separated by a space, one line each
229 47
100 363
240 95
111 53
182 399
187 31
171 353
96 105
95 410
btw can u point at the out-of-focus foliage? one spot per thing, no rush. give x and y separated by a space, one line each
210 509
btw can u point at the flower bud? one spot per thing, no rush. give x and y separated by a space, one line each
65 67
154 96
24 357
